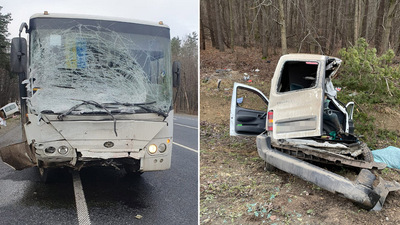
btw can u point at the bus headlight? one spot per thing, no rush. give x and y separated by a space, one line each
152 148
63 150
162 147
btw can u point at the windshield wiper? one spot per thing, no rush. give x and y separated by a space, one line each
160 113
68 87
142 106
130 104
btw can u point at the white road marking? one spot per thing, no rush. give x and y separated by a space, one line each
81 207
182 125
183 146
186 118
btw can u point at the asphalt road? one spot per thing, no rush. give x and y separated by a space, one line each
163 197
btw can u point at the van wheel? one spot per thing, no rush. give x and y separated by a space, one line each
366 153
269 167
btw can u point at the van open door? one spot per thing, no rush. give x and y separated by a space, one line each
249 108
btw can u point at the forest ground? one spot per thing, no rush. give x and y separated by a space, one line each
235 189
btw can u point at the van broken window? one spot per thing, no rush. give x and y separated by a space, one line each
297 75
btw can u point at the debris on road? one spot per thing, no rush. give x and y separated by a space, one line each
138 217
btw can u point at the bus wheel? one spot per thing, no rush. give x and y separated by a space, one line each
44 174
131 170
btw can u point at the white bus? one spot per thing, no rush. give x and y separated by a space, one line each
96 91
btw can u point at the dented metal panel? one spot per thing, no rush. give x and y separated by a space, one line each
297 113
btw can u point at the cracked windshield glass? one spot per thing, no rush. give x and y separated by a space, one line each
124 67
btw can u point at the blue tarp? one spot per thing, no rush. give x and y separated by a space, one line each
389 155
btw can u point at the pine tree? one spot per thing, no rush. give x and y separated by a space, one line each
5 19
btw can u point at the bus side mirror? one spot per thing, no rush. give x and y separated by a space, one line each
18 56
176 73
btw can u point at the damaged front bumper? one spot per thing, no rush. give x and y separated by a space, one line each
361 191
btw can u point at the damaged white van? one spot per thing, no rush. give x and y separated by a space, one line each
96 91
304 121
10 109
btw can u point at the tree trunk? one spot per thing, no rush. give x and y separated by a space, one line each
334 25
356 20
244 24
364 32
308 24
211 24
264 33
379 24
232 42
388 26
218 31
202 36
283 27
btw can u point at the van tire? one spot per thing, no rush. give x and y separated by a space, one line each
269 167
367 154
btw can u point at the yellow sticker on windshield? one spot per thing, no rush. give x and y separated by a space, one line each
70 53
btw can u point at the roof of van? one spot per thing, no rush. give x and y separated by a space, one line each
93 17
303 56
12 103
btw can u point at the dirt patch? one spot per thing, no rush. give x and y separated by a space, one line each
235 189
390 119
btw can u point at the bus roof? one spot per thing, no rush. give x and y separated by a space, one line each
93 17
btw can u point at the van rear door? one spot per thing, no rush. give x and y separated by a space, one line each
296 96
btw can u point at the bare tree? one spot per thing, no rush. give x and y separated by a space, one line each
232 39
364 32
218 31
388 25
379 25
283 27
314 26
357 17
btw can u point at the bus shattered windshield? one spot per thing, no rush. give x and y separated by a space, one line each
120 66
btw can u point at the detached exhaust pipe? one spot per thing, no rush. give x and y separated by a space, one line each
360 191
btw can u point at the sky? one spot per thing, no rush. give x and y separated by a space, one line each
182 16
